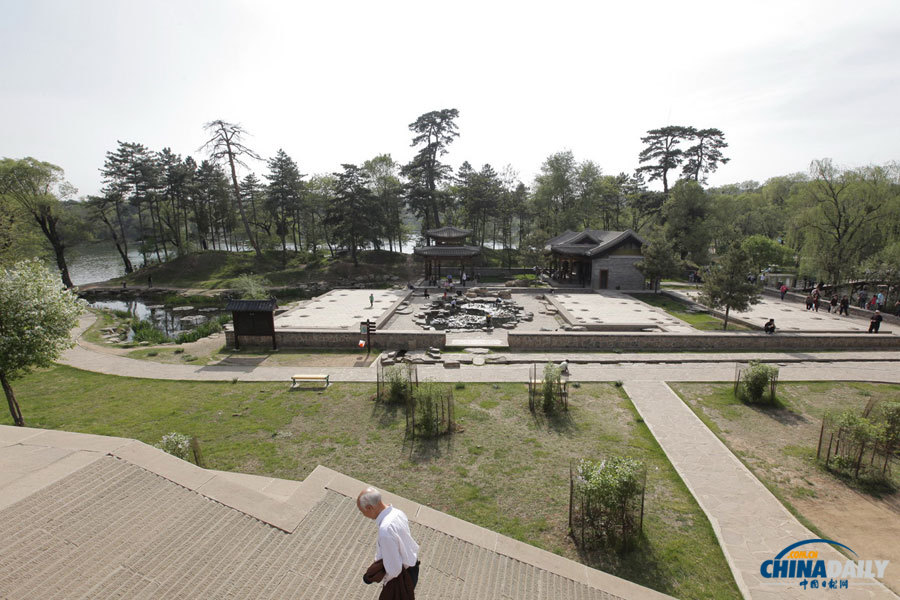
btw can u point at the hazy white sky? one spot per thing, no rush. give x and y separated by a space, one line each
337 82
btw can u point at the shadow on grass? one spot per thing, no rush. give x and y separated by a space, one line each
424 450
780 412
560 422
639 563
386 414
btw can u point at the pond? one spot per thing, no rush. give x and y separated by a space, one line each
169 320
470 314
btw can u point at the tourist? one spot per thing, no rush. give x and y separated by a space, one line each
564 367
845 306
784 290
880 301
395 547
809 301
897 308
464 277
449 279
861 298
875 322
444 298
488 321
816 302
371 300
427 295
833 305
873 302
769 327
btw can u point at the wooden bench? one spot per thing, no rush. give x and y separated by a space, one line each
296 380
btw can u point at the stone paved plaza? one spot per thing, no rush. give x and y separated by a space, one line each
614 309
338 309
792 317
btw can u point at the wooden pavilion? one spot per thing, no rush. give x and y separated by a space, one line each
446 247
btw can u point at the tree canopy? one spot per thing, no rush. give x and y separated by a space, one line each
35 322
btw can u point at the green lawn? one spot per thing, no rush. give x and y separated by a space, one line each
505 470
702 321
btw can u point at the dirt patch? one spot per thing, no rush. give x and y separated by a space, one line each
779 445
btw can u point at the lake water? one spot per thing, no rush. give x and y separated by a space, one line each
91 263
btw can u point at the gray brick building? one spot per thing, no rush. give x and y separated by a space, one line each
597 259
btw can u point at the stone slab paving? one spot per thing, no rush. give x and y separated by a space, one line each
792 317
615 308
339 309
751 524
129 525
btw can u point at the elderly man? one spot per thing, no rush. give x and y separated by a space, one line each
396 549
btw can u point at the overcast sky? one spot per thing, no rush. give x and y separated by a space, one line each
336 82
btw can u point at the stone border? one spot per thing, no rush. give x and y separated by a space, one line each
735 341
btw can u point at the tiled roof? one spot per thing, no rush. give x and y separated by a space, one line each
251 305
447 251
448 232
97 517
589 242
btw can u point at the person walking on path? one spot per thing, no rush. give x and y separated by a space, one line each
861 298
809 301
783 290
875 322
880 301
395 548
816 302
833 304
371 300
845 306
464 277
873 302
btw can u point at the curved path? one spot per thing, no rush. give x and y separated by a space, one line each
749 522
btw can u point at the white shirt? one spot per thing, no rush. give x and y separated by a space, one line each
395 545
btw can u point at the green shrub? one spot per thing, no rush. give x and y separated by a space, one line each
433 410
397 380
122 314
608 499
252 287
176 444
214 325
551 393
146 331
758 383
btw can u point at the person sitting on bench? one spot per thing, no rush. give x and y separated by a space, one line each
769 327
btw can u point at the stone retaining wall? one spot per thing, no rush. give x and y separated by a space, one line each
308 338
531 341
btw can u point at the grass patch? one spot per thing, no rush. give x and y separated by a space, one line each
507 470
702 321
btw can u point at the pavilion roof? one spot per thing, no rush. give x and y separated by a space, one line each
448 232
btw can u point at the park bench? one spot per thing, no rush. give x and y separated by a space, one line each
296 380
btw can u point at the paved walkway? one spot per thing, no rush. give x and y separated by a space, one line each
751 524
